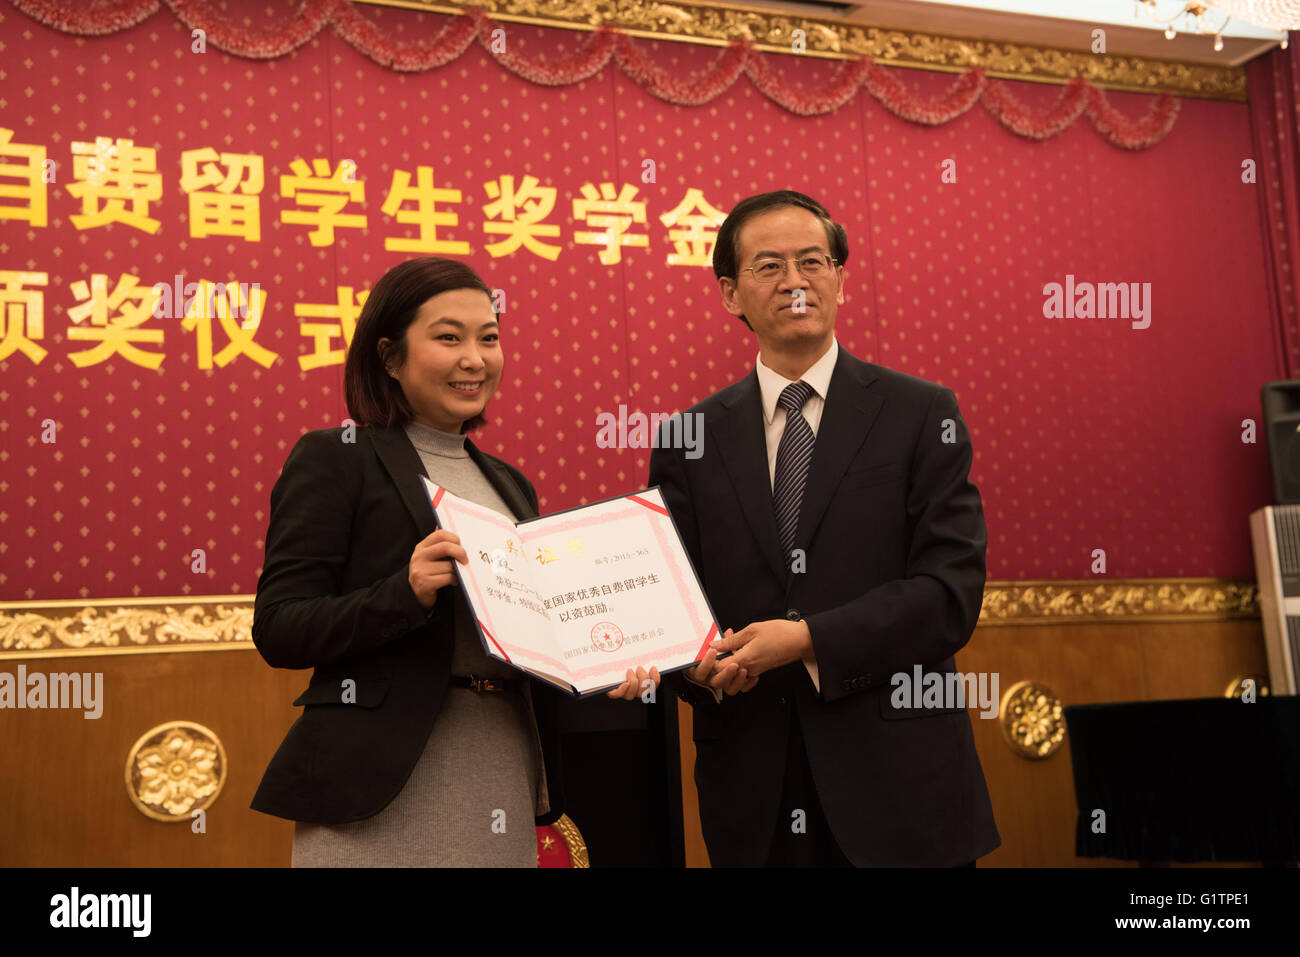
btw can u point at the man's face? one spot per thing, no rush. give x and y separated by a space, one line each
773 308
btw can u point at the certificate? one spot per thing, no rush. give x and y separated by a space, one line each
578 597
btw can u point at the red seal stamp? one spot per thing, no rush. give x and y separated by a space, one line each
607 636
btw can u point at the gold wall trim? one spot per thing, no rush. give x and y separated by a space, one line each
770 30
124 626
1144 599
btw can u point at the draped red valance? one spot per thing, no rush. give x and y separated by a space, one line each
1078 97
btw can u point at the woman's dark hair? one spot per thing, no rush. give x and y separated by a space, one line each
726 251
373 396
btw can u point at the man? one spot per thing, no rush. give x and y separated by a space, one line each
840 542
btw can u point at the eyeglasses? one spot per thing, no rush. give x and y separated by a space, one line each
811 266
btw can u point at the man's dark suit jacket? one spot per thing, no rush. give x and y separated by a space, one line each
334 596
894 539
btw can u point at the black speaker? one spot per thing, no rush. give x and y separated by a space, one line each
1281 401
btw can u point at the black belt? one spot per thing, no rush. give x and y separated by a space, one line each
486 684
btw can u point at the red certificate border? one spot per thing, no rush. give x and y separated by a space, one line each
678 578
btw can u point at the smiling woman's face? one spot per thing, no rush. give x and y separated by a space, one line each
453 359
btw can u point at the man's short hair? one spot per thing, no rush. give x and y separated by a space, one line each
726 250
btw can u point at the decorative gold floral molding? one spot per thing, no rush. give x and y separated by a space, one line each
117 626
1032 720
770 30
175 769
1149 599
125 626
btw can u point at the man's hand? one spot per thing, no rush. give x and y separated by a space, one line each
765 645
631 689
727 676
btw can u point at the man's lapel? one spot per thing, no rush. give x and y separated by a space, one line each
742 446
847 417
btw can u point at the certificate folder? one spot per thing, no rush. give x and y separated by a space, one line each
577 597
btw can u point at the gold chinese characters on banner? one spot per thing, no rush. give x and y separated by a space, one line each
117 182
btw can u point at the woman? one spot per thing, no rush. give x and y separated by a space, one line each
414 747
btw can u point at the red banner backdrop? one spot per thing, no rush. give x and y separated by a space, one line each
130 441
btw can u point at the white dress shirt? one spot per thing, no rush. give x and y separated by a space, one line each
770 385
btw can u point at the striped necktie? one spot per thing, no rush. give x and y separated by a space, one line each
793 456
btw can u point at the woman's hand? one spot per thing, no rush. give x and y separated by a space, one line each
631 689
430 567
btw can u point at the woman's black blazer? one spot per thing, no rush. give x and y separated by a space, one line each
334 596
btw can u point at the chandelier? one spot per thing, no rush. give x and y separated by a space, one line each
1273 14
